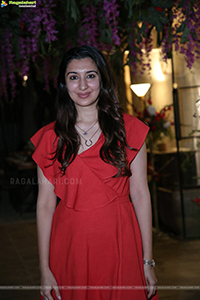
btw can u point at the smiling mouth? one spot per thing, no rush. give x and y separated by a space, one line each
84 95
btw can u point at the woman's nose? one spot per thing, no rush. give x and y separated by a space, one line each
83 84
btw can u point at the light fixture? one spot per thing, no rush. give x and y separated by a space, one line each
25 77
24 81
140 89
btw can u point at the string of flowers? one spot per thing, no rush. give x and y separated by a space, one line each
104 24
3 77
166 45
34 23
24 53
111 9
184 31
89 31
148 46
10 60
135 52
191 49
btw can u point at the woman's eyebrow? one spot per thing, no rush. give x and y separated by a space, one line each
92 71
74 72
71 72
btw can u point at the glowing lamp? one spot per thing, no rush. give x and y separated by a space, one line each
140 89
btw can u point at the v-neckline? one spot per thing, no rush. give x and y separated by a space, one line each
92 145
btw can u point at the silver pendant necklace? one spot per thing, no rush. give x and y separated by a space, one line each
89 142
86 131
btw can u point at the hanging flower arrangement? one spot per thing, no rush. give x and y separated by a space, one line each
29 36
26 37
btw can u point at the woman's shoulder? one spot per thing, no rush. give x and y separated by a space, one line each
134 127
49 128
131 121
46 132
128 118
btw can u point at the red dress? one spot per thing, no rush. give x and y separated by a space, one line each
96 248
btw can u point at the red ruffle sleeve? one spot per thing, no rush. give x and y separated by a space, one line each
136 133
45 141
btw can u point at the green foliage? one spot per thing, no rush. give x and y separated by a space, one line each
184 37
163 3
134 24
9 16
72 9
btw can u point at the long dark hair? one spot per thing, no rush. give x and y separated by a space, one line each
109 115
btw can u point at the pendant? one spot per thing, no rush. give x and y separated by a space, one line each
88 145
85 133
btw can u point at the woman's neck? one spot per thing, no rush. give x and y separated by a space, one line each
87 114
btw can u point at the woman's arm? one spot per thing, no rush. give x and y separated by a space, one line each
46 204
140 197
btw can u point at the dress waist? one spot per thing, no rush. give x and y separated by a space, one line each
122 199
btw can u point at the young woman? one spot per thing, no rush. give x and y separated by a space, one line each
96 244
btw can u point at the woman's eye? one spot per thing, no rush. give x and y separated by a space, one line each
90 76
73 77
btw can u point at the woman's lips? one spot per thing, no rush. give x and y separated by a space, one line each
84 95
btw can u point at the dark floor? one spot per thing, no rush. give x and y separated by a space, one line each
177 270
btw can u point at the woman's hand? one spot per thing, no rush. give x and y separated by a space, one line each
48 283
150 280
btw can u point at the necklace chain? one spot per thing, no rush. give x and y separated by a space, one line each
90 139
86 131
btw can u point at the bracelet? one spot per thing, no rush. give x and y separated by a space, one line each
149 262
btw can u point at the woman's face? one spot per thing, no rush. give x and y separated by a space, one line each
83 81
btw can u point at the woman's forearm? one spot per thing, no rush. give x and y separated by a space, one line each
144 216
44 223
140 196
46 204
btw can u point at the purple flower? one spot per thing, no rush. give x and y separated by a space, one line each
111 9
9 57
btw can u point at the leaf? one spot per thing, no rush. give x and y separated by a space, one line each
159 26
141 30
109 35
139 39
152 16
72 8
170 39
102 24
181 4
184 37
181 28
163 3
129 4
163 19
42 47
103 36
74 11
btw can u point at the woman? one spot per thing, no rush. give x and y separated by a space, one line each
96 245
